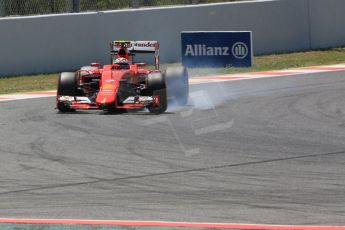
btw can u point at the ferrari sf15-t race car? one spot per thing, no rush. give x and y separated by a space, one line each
123 84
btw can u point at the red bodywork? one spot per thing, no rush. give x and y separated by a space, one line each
113 86
110 78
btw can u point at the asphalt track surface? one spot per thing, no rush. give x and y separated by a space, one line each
264 151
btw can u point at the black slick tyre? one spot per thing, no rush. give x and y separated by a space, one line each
67 86
156 84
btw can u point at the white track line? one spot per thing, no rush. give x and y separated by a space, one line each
266 74
23 96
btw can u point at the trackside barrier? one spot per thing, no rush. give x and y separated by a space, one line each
55 43
217 48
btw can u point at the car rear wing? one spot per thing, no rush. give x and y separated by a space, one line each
136 46
128 49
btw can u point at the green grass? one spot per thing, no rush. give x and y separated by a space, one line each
261 63
28 83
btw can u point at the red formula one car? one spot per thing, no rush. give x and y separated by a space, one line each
123 84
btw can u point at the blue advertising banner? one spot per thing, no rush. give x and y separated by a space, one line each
217 48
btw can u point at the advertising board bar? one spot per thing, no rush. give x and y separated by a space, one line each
217 48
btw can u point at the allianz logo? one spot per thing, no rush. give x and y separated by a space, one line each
203 50
239 50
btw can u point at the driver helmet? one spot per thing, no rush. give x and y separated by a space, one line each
122 62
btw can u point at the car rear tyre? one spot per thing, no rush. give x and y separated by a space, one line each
155 81
177 85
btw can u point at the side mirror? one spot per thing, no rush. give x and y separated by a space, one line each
95 64
140 64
